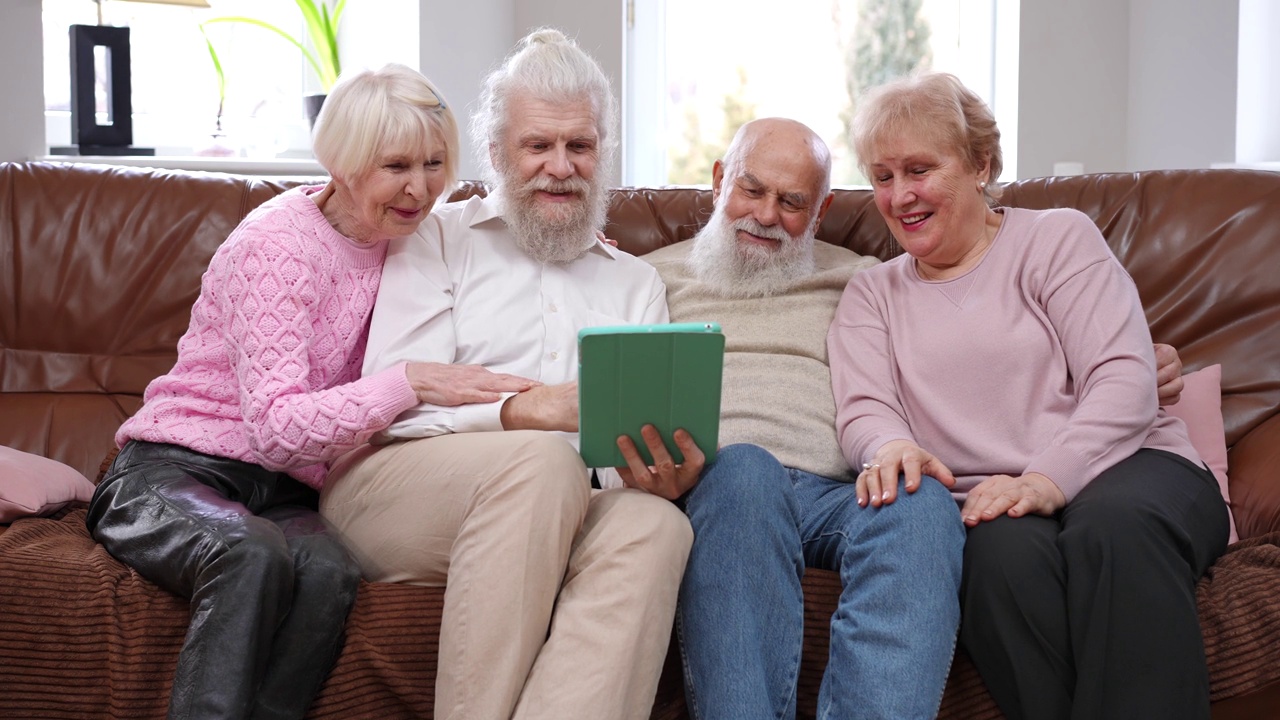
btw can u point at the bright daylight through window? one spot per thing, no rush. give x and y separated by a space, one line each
175 85
724 62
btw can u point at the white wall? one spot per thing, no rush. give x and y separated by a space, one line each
1182 83
1123 85
21 83
1073 85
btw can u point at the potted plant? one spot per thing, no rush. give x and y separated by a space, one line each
322 28
218 145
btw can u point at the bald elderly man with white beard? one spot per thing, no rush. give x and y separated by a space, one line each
780 497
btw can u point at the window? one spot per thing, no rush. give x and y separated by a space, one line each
175 90
698 69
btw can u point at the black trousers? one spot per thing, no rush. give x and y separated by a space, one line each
1092 614
269 583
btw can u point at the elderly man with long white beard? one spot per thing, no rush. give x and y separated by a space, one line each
780 497
559 599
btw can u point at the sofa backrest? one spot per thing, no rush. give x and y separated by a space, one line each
99 267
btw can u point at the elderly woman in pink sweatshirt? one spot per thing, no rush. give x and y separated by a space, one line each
1006 354
213 493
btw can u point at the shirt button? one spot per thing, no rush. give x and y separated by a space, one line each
555 356
553 308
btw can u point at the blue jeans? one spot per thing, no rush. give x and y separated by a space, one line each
757 525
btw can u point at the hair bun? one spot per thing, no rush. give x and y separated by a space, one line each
545 36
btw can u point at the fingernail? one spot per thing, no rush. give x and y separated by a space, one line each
885 495
862 502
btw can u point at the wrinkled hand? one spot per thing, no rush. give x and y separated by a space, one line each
878 484
450 385
664 477
545 407
1168 374
1013 496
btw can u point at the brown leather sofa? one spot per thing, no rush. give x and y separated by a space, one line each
98 270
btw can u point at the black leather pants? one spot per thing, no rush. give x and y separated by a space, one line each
270 585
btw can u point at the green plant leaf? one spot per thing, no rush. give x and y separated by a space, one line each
324 43
217 67
321 28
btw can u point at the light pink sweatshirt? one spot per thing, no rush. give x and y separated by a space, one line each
1038 359
269 370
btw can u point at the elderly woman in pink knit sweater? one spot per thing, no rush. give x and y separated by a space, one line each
213 493
1006 355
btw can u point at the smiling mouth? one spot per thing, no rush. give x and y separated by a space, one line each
744 236
557 197
916 219
407 214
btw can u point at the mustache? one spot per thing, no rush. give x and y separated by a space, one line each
755 228
575 185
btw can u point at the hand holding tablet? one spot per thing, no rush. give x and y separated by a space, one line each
667 376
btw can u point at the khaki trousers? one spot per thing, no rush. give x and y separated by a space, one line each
559 600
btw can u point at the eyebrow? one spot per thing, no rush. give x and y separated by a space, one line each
798 199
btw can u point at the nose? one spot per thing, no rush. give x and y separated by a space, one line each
903 195
766 212
559 165
415 185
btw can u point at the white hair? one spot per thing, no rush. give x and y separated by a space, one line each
549 67
370 110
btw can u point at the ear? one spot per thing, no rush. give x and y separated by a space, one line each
984 169
822 209
493 155
717 176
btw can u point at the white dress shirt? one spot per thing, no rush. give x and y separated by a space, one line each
460 290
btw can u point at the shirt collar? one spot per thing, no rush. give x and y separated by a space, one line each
491 210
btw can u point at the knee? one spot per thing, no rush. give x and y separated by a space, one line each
928 516
545 470
327 573
258 546
743 479
659 525
327 559
1118 528
1008 551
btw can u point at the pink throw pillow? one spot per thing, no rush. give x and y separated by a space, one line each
1200 407
31 485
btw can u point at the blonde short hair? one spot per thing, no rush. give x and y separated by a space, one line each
373 109
938 106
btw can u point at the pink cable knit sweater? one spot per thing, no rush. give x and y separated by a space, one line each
269 370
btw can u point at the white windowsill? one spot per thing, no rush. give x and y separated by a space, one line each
236 166
1273 165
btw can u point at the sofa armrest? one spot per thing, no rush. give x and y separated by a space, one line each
1254 478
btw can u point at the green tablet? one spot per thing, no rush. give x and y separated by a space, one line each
633 375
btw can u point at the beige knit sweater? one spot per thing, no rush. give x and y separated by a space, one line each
777 386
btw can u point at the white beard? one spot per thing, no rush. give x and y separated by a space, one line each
553 233
738 270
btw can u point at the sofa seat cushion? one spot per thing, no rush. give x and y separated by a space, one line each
70 610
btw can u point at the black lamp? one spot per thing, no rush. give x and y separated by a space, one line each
115 136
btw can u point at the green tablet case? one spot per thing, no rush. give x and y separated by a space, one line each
665 375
